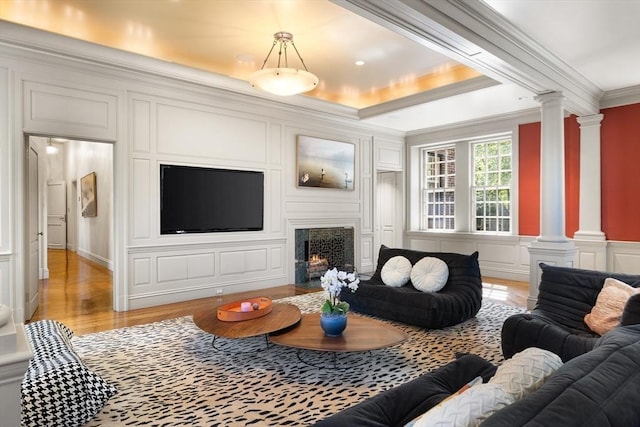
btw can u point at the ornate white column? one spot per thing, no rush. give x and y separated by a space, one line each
552 246
589 238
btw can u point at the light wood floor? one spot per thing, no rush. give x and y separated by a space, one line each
78 294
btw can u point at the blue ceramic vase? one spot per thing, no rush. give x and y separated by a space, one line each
333 324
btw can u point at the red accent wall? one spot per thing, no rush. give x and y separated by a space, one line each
620 160
620 172
572 175
529 179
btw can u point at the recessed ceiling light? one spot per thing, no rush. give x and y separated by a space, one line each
360 63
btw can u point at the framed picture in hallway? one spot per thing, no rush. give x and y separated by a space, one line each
89 197
324 163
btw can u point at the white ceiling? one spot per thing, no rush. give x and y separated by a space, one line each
599 39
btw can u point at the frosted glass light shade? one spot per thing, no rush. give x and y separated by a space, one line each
283 81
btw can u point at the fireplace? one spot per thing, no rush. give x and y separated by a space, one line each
319 249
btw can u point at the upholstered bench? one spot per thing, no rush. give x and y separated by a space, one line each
58 389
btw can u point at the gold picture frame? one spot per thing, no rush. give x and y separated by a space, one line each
88 195
325 163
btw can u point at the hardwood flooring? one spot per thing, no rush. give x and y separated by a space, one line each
79 294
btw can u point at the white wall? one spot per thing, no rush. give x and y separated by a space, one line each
95 234
150 118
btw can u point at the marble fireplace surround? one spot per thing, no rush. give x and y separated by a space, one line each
319 247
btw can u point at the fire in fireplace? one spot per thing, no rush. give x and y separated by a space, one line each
319 249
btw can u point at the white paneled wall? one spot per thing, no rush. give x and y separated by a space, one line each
173 115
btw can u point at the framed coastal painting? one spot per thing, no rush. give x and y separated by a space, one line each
89 198
324 163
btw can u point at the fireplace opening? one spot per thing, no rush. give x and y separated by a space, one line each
320 249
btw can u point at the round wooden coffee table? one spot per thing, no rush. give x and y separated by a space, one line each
281 316
363 334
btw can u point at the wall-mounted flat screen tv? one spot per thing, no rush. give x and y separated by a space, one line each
206 200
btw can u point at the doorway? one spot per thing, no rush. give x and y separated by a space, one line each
58 207
389 209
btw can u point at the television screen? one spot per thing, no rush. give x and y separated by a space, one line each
204 200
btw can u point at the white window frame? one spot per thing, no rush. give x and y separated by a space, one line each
498 187
465 216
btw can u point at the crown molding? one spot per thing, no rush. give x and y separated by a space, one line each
623 96
453 89
476 126
31 40
473 33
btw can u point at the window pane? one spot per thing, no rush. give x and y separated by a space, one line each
439 181
492 164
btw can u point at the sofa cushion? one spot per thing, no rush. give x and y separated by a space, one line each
599 388
396 271
526 371
430 274
606 314
399 405
467 409
58 389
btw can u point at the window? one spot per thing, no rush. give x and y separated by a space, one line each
438 188
478 197
491 186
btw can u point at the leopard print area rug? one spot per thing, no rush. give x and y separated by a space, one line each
168 374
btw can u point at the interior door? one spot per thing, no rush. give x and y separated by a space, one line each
56 215
388 229
33 267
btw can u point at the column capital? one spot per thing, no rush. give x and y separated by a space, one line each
590 120
549 97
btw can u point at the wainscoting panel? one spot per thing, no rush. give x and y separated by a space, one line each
5 283
172 268
390 158
181 272
141 124
185 130
52 109
367 217
623 257
238 262
141 199
367 255
141 271
274 201
500 257
200 265
500 254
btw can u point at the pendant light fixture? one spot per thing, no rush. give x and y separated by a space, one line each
51 149
283 80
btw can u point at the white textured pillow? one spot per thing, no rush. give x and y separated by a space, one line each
467 409
396 271
526 371
429 274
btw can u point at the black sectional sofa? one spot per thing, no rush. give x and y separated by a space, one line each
597 386
600 388
556 323
459 300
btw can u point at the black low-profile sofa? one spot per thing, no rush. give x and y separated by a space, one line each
557 323
600 388
459 300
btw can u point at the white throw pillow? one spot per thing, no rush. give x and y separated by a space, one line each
396 271
526 371
467 409
429 274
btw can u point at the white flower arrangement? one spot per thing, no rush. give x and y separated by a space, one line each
333 281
